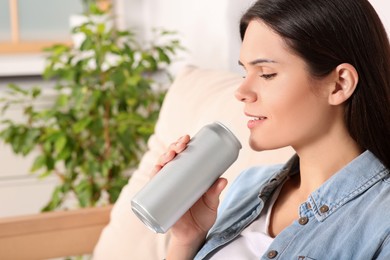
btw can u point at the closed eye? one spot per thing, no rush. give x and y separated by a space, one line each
268 76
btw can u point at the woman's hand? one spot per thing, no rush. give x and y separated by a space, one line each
175 148
189 232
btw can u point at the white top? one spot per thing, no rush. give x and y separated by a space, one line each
254 240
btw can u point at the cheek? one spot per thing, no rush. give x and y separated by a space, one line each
296 108
302 119
293 106
291 116
293 96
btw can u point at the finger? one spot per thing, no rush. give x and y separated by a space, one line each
166 157
162 160
211 197
180 144
173 149
155 170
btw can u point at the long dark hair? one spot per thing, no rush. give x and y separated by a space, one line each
326 33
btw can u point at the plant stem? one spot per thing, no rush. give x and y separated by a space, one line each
106 122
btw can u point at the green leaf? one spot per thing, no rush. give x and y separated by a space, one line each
145 130
116 188
84 193
39 162
30 140
5 107
56 199
81 125
60 144
134 80
163 56
50 162
35 92
62 100
87 44
64 154
45 174
16 89
101 28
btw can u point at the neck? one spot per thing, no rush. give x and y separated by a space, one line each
321 160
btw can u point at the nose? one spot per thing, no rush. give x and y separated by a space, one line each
245 94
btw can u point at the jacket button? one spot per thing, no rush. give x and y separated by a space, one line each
272 254
324 209
303 220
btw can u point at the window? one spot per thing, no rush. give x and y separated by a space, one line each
5 25
30 25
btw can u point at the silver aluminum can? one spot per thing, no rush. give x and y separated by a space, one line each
182 181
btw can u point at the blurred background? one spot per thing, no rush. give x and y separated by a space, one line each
208 30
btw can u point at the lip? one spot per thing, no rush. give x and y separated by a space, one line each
255 121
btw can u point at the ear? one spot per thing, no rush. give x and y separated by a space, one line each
344 84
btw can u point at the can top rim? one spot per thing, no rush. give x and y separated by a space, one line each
231 134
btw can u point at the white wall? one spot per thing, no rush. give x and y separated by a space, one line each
383 9
208 29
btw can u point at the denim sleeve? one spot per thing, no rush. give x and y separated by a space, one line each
384 250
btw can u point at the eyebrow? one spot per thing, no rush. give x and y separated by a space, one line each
257 61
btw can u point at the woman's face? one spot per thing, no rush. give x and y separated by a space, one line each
285 105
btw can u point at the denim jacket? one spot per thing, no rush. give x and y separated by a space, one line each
348 217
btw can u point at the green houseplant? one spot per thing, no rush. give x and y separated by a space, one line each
107 103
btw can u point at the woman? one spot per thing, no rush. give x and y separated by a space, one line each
317 79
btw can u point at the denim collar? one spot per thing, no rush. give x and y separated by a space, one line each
337 190
289 169
352 180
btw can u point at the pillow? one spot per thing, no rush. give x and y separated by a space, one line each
197 97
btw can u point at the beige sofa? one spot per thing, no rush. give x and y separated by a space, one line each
197 97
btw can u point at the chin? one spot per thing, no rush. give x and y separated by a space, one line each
256 146
260 146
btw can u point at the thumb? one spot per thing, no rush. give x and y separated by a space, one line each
212 195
